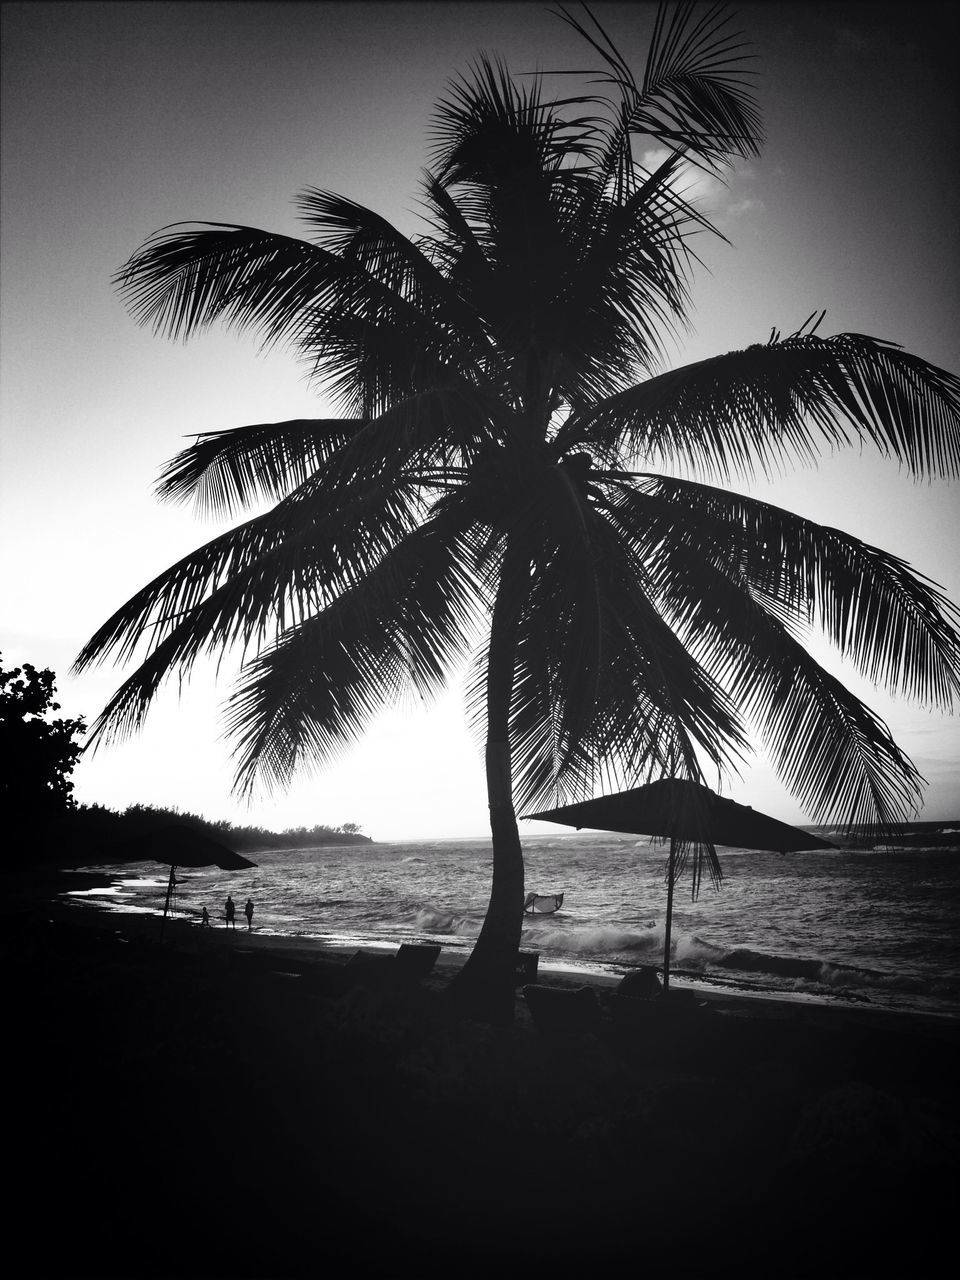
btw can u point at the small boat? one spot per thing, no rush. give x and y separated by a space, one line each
542 904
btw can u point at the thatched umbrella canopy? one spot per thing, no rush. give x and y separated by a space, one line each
686 813
177 845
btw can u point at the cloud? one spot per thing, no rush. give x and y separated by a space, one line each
740 207
717 197
691 182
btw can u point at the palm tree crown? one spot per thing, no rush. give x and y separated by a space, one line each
494 474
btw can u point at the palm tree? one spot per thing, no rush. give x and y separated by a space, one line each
491 493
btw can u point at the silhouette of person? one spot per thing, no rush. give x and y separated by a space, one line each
204 918
248 912
230 912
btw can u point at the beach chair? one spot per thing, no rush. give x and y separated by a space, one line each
411 963
558 1011
527 964
414 961
368 969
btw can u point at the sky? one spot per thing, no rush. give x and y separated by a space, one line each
120 118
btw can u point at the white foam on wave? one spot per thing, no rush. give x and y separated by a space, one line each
597 940
694 950
844 976
436 920
100 891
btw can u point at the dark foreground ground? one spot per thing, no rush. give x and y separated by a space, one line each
214 1110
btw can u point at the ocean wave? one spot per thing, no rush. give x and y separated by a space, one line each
846 980
690 949
757 962
437 920
598 940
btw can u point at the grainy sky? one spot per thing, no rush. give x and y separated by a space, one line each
119 118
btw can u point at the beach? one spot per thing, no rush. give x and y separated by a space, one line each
225 1104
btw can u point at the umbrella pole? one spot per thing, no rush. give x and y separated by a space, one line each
166 906
671 869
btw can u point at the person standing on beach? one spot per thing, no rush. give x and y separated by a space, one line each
248 912
229 913
204 918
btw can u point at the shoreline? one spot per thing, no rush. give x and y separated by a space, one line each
183 931
810 963
288 956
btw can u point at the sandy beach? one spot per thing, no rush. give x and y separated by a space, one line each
237 1105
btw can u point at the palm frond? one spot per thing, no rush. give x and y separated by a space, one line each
490 131
189 275
223 471
256 580
830 748
627 286
186 277
695 90
402 627
359 235
695 94
277 568
458 243
782 401
898 628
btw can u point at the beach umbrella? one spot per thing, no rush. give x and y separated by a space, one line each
685 813
177 845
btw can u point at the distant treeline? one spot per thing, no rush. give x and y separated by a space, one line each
86 833
902 835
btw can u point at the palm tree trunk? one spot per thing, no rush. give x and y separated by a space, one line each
486 985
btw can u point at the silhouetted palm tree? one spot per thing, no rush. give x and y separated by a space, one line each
491 491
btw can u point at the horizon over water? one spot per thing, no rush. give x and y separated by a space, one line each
841 926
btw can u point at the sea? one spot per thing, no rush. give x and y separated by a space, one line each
843 926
